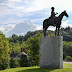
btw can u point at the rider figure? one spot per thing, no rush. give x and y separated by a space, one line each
53 15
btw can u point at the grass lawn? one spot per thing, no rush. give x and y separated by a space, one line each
37 69
65 64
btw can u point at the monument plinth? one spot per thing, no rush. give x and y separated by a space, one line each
51 52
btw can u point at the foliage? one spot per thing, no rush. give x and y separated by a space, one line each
4 52
21 38
51 34
66 33
4 63
68 58
14 47
33 48
67 49
14 38
13 63
23 61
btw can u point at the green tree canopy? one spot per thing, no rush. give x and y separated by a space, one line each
33 48
4 51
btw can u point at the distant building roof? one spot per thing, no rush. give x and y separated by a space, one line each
22 53
17 54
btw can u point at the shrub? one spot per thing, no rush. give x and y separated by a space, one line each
23 61
14 63
4 63
68 58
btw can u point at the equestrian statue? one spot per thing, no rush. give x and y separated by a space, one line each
53 21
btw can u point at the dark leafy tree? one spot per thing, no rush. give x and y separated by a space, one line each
24 62
14 38
33 48
4 52
14 63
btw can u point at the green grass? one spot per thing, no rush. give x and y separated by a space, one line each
38 69
65 64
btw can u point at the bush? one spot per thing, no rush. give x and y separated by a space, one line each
68 58
23 61
14 63
67 49
33 49
4 63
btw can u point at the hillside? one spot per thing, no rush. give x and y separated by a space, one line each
65 32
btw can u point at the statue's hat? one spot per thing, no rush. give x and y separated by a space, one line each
52 8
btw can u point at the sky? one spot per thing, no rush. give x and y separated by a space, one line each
20 16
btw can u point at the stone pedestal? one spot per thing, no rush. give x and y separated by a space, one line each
51 52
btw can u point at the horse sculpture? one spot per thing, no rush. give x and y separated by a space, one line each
57 21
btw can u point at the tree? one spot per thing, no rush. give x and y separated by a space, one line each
21 38
23 61
51 34
14 47
68 58
67 28
13 63
33 48
67 49
4 52
4 63
14 38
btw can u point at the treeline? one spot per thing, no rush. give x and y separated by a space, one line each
65 32
4 52
15 38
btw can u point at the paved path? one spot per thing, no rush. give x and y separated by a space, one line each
67 63
67 66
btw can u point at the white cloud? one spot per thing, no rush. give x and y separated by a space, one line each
37 20
14 0
60 5
6 28
2 28
21 7
51 28
65 24
19 29
13 7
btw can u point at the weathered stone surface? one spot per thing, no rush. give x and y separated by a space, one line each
51 52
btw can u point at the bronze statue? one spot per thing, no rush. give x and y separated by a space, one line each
53 15
53 21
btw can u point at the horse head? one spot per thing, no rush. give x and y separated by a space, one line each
66 14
